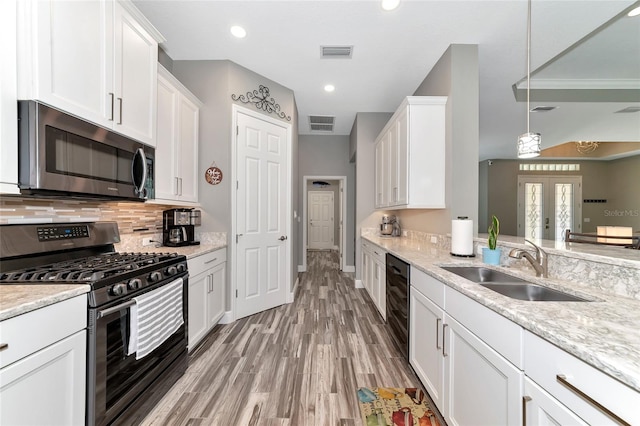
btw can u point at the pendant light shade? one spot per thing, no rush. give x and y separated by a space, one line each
529 143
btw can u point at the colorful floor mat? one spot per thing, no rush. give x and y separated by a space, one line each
395 407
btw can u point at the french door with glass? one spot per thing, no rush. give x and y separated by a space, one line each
548 205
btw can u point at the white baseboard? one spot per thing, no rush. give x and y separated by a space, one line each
349 268
302 268
227 318
359 284
290 295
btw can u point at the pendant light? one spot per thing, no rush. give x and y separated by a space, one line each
529 143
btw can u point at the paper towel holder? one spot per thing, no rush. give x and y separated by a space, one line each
462 255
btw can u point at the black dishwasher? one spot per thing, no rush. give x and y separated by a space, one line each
398 302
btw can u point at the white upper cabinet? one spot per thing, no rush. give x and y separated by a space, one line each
176 160
8 96
95 59
410 173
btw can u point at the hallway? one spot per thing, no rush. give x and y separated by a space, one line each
298 364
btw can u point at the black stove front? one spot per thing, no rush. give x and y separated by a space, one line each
121 387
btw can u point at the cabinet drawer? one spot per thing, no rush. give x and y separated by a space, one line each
199 264
502 334
30 332
427 285
545 361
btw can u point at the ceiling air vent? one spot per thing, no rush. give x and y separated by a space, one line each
328 52
321 123
543 108
628 109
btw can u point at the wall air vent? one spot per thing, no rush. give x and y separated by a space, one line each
321 123
628 109
331 52
543 108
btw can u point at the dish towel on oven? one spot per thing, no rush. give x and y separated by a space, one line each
155 316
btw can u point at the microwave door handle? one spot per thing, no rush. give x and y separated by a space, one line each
139 156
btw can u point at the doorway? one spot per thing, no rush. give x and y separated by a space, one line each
336 185
261 202
548 205
321 221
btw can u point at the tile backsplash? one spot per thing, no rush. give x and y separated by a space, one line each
141 218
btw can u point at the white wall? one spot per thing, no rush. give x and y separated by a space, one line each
328 155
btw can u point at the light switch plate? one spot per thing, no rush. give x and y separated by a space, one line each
434 239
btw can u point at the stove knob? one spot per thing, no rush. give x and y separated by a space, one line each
135 284
182 267
118 289
172 270
155 276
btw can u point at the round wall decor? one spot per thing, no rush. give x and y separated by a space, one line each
213 175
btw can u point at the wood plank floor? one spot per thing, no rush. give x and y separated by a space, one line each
298 364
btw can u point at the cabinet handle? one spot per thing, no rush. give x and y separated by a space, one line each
438 333
120 105
210 278
563 381
210 261
3 346
525 399
177 191
444 335
180 180
112 105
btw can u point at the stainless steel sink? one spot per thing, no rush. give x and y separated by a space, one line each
511 286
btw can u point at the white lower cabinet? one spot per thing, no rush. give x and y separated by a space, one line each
540 408
469 381
207 278
44 362
374 276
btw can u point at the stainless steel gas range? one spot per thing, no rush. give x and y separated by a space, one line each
137 310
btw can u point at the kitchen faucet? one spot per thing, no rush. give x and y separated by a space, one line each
539 263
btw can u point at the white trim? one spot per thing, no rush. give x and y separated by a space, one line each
291 294
227 318
349 268
358 283
235 109
343 201
302 268
335 247
592 83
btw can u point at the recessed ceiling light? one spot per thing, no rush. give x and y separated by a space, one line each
390 4
634 12
329 88
238 31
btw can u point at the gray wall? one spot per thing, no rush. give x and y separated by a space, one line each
323 155
334 186
366 128
616 181
213 82
455 75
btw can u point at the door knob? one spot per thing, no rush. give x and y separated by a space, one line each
282 238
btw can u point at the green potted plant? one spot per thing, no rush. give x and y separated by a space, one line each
491 255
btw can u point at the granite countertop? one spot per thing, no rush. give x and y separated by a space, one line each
189 251
604 332
20 299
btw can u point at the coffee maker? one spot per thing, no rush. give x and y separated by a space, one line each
178 227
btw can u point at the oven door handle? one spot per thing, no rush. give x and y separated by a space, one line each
116 308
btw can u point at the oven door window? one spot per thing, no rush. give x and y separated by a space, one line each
74 155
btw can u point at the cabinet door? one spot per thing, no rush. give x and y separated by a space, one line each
425 345
187 150
392 165
72 56
381 175
543 409
136 68
166 183
482 387
381 288
8 97
47 387
198 303
216 296
402 157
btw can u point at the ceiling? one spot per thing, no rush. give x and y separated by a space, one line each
393 51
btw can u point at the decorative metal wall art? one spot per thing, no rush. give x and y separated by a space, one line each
262 100
213 175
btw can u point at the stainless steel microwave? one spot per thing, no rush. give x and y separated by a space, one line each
59 154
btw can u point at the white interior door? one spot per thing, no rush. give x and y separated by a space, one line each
341 224
261 215
548 205
321 221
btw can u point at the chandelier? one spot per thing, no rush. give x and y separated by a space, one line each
586 147
528 143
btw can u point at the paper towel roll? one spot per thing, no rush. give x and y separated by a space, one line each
462 237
